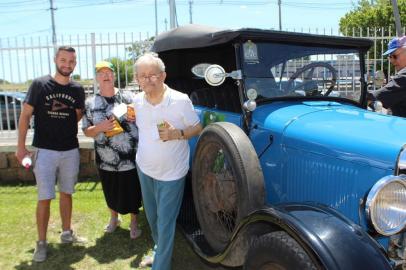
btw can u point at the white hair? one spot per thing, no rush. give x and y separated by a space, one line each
149 57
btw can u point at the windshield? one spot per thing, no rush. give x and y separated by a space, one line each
276 70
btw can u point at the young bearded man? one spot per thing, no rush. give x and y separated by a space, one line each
56 103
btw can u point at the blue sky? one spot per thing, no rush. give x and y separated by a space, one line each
26 18
27 23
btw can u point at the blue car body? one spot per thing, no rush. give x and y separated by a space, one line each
310 137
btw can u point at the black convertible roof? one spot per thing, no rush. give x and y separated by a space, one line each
198 36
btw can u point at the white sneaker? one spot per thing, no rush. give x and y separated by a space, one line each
112 226
147 261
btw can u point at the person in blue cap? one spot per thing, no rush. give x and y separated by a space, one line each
393 94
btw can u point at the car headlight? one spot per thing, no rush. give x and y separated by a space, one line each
401 165
386 205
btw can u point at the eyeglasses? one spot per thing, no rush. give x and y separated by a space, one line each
101 74
151 78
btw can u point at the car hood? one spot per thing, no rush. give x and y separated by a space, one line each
335 129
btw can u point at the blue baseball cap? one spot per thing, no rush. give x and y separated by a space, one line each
394 44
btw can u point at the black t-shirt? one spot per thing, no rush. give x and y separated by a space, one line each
393 95
55 122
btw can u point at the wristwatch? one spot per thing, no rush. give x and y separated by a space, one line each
182 135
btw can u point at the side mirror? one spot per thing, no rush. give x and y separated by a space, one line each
215 75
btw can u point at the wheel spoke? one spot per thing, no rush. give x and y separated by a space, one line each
218 190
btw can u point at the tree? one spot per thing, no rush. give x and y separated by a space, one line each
140 47
366 15
375 19
123 71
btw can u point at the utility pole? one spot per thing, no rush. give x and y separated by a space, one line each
280 14
172 14
53 23
166 24
156 18
397 18
190 11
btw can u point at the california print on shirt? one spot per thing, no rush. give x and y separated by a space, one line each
58 104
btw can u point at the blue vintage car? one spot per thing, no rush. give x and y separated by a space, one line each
291 170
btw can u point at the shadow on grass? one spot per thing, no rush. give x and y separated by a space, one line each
119 245
60 256
107 249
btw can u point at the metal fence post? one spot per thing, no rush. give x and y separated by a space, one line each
93 46
2 63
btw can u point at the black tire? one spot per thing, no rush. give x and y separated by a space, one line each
227 181
277 251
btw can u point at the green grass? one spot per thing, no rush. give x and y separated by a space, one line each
18 87
102 251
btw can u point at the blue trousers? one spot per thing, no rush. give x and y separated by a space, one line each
162 201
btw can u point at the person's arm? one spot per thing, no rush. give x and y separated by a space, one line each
79 114
81 104
393 92
168 132
23 125
189 132
93 131
191 120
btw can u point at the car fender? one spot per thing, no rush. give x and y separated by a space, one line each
330 239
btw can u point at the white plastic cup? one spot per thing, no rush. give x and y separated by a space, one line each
26 162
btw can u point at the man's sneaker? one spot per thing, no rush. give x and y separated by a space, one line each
40 252
69 237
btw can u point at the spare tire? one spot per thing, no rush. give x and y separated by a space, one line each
227 181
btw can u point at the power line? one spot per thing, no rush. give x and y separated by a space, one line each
35 6
19 3
314 7
22 11
111 2
12 5
308 4
27 33
19 19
